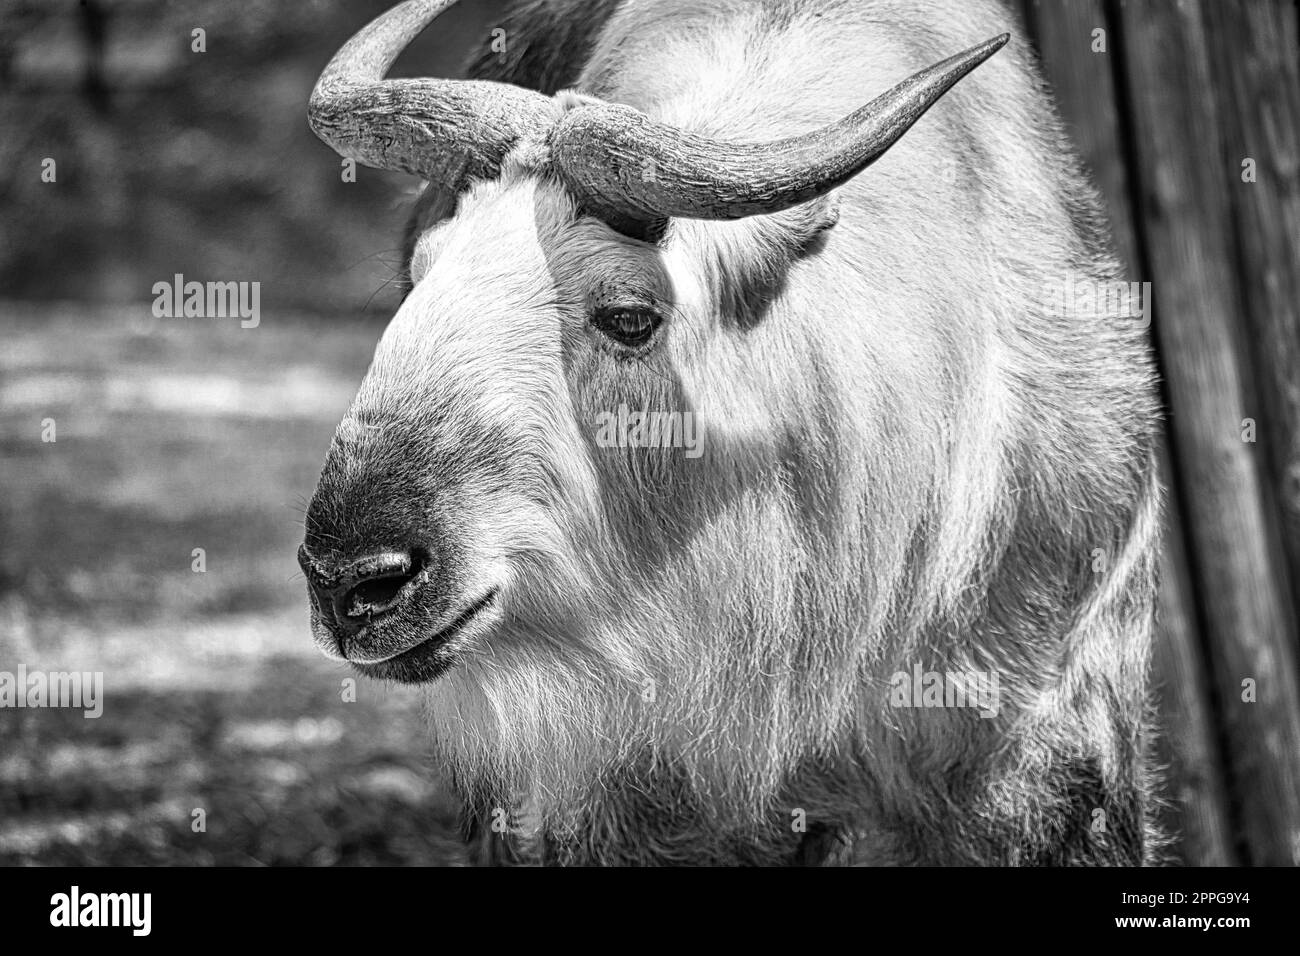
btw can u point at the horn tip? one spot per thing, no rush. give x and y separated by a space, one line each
981 52
992 46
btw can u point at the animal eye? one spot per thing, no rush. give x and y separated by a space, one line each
630 326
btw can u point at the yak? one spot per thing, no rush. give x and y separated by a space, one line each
893 602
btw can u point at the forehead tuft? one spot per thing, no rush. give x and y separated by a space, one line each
492 220
530 157
527 167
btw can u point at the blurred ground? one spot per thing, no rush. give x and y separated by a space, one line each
171 435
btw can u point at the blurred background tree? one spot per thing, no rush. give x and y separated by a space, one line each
172 160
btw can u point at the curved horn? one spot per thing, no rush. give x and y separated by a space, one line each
601 150
441 130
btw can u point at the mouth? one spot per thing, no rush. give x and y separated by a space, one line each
432 657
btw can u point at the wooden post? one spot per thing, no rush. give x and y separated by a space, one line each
1186 221
1257 78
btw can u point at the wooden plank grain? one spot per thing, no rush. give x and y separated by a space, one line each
1186 222
1078 63
1258 85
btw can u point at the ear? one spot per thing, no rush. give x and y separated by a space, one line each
808 222
750 259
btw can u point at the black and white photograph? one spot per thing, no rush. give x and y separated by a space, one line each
639 433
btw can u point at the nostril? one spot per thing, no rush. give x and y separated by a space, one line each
377 584
371 596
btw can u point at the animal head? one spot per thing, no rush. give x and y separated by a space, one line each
610 485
